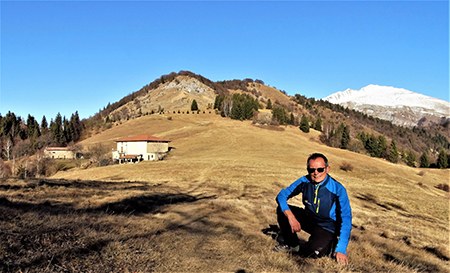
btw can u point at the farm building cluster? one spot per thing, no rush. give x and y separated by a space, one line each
129 150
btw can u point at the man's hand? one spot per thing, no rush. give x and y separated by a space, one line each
295 225
341 258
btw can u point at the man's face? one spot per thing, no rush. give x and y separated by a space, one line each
313 169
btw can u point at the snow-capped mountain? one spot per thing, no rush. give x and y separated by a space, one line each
400 106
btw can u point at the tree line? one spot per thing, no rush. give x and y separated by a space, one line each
20 138
419 140
238 106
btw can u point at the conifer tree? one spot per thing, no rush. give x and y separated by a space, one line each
56 128
318 124
424 160
382 145
32 128
363 137
411 159
279 114
237 111
292 119
442 161
345 139
44 125
393 152
77 126
218 102
10 125
68 132
304 124
194 106
269 104
372 146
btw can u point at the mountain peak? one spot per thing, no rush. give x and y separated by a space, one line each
398 105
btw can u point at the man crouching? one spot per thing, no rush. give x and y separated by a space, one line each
327 215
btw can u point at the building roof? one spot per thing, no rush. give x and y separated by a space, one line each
57 148
147 138
129 156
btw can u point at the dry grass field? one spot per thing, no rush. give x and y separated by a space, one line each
210 206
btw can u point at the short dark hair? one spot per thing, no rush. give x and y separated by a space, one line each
316 156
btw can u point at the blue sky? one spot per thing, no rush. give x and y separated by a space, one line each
64 56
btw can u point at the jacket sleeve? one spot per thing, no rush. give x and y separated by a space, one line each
289 192
346 226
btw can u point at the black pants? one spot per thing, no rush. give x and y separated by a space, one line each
320 241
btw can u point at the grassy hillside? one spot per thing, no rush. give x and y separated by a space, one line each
210 206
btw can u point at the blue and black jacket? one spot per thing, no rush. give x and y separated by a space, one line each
326 203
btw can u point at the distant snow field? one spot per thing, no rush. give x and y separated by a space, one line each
388 101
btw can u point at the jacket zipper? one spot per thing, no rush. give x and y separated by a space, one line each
317 201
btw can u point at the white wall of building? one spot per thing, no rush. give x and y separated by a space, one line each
148 150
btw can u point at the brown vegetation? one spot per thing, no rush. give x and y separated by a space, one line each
345 166
210 205
444 187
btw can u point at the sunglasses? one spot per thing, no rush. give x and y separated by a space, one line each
313 170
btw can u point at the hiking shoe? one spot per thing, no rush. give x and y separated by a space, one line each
286 249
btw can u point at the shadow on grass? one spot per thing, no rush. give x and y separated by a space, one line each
370 198
153 203
41 234
32 183
275 233
404 260
145 203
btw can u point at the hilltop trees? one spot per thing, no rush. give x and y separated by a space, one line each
279 115
373 145
417 139
338 138
244 106
239 106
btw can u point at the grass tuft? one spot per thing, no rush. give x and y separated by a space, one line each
346 166
443 187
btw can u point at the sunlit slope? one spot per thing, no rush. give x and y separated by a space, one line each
239 162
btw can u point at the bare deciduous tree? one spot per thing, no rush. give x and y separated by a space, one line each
77 150
22 148
8 148
100 154
227 105
38 159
